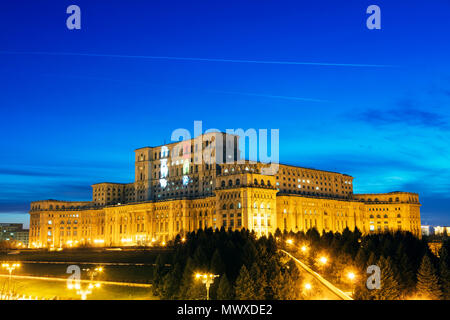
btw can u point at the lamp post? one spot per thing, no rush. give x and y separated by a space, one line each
351 276
93 272
207 279
10 268
84 292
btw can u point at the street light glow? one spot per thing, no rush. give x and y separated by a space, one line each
323 260
308 286
351 275
304 248
289 241
207 279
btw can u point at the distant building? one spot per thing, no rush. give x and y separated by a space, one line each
14 232
427 230
440 230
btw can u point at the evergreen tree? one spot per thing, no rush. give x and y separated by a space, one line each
389 285
260 281
245 286
158 274
225 290
217 265
191 288
444 272
427 280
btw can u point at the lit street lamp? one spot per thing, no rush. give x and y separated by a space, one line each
10 268
84 292
351 276
207 279
93 272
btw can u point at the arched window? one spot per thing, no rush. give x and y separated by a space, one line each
385 215
255 182
268 183
239 205
371 216
262 205
224 207
262 182
230 183
238 182
223 184
397 199
231 206
255 205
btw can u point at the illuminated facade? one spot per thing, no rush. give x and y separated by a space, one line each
202 183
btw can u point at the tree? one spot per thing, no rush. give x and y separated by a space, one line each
389 285
428 281
225 290
260 281
217 265
158 274
245 286
444 272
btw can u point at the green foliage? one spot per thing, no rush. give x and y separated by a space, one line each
444 271
253 268
225 290
245 286
389 285
428 281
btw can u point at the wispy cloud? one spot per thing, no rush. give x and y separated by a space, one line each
325 64
405 113
29 173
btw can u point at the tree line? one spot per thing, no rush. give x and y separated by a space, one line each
251 267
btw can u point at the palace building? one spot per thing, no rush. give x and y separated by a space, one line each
202 183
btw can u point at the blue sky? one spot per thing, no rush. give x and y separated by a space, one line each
370 103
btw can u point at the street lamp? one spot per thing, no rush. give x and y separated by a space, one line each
289 241
94 272
304 249
308 286
207 279
10 268
323 260
84 292
351 276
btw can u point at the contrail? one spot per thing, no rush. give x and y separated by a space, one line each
205 90
200 59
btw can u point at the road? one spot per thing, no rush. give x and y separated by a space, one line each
336 291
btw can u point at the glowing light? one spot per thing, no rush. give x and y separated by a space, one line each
308 286
304 248
183 239
289 241
323 260
351 275
99 241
